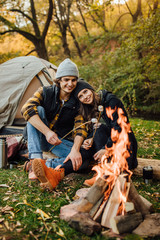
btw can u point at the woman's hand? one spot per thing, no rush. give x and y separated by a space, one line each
98 155
87 143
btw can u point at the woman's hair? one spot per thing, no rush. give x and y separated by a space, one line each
89 111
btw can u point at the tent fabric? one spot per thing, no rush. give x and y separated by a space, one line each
15 76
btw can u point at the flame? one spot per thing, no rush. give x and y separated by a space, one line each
113 162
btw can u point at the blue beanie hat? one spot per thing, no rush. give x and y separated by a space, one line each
67 68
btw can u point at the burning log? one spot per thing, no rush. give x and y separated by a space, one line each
96 207
139 204
125 223
86 203
98 215
93 195
114 201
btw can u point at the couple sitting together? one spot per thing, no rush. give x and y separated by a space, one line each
59 119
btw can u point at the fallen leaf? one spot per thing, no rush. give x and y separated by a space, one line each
6 224
43 214
12 213
18 224
61 233
5 199
67 197
1 220
19 230
25 203
31 233
6 209
4 185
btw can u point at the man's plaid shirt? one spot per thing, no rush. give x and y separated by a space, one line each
29 109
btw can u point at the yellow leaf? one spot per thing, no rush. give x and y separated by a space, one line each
42 213
61 233
25 203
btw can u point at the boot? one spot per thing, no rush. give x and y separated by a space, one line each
28 168
91 181
48 177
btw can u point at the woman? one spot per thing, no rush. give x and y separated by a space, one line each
89 102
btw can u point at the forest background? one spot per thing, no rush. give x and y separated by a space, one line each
116 44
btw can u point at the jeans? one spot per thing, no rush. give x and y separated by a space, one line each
37 143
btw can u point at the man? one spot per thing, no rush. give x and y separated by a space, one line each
51 114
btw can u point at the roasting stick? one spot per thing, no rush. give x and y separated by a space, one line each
92 120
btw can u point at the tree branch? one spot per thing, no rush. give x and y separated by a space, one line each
24 15
129 9
34 22
120 18
49 18
33 50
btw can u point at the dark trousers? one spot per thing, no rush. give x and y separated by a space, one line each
100 139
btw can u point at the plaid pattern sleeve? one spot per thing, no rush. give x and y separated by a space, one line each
29 109
82 130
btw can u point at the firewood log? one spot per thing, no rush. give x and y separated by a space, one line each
125 223
113 203
150 227
83 223
93 195
96 207
148 204
129 207
139 204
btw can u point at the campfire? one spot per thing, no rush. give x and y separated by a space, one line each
112 202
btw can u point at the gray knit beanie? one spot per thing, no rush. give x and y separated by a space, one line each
81 84
67 68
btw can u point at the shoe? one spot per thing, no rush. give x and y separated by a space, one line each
91 181
48 177
28 168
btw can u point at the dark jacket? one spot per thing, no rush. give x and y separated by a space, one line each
48 97
110 100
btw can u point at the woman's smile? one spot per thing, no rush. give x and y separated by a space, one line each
85 96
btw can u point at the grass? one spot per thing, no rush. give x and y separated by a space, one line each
22 220
147 133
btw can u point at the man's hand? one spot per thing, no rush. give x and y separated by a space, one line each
76 159
87 143
52 138
98 155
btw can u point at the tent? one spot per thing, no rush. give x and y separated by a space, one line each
19 79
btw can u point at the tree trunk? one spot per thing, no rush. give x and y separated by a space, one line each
65 44
41 49
138 12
